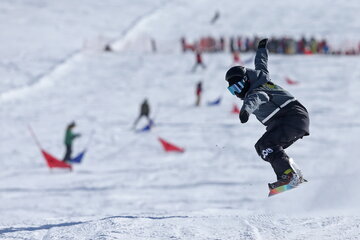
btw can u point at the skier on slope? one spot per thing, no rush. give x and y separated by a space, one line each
144 112
69 138
285 118
198 92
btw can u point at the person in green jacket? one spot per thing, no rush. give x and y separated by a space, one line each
69 138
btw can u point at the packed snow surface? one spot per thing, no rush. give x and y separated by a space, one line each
53 71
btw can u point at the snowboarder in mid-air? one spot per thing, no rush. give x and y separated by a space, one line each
285 118
69 138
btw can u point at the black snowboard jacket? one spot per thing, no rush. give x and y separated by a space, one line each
272 105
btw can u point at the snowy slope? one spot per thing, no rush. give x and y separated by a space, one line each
127 187
39 35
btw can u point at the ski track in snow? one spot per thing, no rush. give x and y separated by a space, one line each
199 227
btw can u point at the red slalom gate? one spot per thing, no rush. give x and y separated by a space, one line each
169 147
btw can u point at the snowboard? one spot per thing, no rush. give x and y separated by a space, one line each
287 187
283 188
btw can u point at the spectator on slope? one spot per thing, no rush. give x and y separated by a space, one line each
69 138
183 44
232 45
198 61
285 118
239 43
108 48
323 47
313 45
247 44
198 93
222 44
153 45
144 112
215 17
301 45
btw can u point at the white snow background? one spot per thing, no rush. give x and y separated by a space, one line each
52 71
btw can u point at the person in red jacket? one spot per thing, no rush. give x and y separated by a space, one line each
199 61
236 57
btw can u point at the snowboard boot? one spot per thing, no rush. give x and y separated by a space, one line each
297 170
288 177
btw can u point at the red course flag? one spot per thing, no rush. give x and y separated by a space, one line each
290 81
235 109
53 162
168 147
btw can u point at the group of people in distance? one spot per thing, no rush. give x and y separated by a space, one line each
70 136
279 45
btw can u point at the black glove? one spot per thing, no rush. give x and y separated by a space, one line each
263 43
244 116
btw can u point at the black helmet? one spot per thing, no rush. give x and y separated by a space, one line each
238 81
72 124
237 72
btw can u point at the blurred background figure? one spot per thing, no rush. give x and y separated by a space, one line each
198 93
153 45
198 61
215 17
69 138
144 112
236 57
108 48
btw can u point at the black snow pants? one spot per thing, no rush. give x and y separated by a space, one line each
271 145
68 152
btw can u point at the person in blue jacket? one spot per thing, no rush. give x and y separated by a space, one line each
285 118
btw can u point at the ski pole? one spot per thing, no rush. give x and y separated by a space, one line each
34 136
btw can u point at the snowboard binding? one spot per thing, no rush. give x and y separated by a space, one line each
291 178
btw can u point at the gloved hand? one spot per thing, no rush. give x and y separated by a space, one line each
244 116
263 43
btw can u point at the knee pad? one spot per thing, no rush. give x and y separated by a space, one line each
263 151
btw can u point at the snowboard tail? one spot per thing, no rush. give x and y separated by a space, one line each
281 189
284 188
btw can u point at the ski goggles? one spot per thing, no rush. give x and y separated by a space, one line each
237 87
